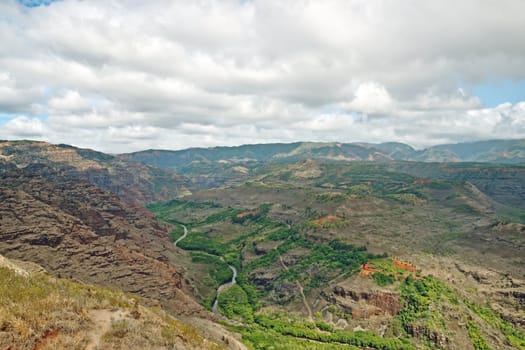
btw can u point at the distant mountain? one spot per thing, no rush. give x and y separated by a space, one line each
259 153
131 181
497 151
175 159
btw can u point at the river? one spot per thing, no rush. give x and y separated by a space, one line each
223 286
183 236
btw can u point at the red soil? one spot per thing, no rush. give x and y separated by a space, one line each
404 265
329 218
366 270
246 213
48 335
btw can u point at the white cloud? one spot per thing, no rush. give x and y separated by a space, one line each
455 100
71 101
22 126
371 98
124 75
14 97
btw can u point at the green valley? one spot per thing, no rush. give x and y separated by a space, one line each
310 233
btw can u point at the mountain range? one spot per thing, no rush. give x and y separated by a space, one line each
284 246
495 151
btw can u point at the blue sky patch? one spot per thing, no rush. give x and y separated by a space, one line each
495 93
35 3
5 117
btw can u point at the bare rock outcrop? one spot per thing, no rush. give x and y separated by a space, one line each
363 302
423 332
131 181
76 230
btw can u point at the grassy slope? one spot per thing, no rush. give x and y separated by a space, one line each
42 312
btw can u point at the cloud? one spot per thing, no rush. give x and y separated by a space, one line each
24 127
371 98
71 101
124 75
16 98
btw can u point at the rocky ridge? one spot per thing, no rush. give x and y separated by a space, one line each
131 181
77 230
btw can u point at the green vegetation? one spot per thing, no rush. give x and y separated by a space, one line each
228 213
167 211
262 338
234 304
272 256
176 233
478 341
439 185
360 191
406 198
322 262
200 241
218 269
278 245
327 260
330 197
514 335
253 215
418 295
466 209
320 332
383 279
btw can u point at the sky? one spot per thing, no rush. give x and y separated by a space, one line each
126 75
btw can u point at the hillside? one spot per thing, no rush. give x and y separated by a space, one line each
38 311
495 151
445 261
311 248
77 230
53 214
131 181
498 151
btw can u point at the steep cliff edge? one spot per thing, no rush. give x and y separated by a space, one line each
133 182
77 230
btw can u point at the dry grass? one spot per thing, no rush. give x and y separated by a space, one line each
41 312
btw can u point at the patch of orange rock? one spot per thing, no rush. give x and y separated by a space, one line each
246 213
328 218
404 265
366 270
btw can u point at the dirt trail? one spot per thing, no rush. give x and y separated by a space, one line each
102 320
301 290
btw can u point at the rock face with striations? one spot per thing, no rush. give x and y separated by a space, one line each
363 301
77 230
133 182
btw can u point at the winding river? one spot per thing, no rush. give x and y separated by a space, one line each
223 286
183 236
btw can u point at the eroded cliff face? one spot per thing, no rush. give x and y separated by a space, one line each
77 230
133 182
362 302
